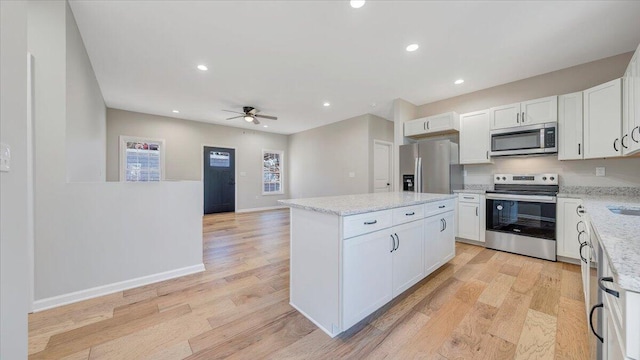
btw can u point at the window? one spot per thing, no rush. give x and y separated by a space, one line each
272 176
141 159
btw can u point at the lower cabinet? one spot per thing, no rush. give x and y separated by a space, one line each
408 266
367 275
571 230
471 216
439 244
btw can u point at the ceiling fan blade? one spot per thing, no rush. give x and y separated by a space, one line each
235 117
255 121
237 112
267 117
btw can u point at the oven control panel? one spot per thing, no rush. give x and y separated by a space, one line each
528 179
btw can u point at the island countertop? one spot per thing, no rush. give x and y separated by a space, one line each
362 203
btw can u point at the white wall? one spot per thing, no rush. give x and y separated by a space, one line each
322 158
86 112
184 140
120 235
402 111
620 172
13 185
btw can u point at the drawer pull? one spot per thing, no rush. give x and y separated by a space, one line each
371 222
393 243
578 226
579 234
580 210
398 240
468 197
603 288
411 213
581 246
441 206
593 309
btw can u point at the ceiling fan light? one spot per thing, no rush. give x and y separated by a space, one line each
248 118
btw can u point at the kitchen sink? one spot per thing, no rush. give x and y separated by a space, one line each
624 210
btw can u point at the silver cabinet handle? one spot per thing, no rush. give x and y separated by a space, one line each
445 224
427 125
523 117
622 141
633 131
441 225
476 211
393 243
593 330
518 118
398 239
614 145
371 222
468 197
605 289
411 213
441 206
424 125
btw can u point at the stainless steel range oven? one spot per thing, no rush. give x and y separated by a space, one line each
521 215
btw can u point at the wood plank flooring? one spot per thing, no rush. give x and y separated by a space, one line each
483 304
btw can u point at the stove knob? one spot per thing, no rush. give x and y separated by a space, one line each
552 178
504 178
544 178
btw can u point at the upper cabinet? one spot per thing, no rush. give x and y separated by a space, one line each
530 112
602 111
433 125
475 142
570 142
630 140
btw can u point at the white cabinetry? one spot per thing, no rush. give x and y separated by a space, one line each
438 245
602 120
570 142
408 262
475 141
471 216
630 140
433 125
571 229
530 112
367 275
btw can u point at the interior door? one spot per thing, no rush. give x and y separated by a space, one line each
381 167
219 180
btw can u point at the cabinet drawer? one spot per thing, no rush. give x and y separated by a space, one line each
408 213
439 207
355 225
473 198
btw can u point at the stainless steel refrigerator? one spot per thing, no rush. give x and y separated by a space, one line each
431 166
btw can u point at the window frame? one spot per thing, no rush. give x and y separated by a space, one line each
281 154
123 156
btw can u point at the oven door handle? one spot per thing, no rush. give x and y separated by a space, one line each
527 198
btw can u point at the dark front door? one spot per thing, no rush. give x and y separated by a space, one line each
219 180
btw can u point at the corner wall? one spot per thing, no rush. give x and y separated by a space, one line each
14 281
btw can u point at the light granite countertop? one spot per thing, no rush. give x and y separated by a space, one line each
619 236
362 203
470 191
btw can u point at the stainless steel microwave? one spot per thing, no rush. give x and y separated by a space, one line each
525 140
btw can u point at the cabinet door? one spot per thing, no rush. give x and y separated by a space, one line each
504 116
612 345
570 145
415 127
570 224
432 228
603 120
443 122
539 111
367 281
469 221
475 141
631 126
408 265
447 239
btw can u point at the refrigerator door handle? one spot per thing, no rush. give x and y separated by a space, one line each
416 181
419 175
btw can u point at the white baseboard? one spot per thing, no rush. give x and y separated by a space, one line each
261 209
55 301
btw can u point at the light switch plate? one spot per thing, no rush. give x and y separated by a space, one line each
5 157
600 171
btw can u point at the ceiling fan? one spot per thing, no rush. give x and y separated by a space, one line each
250 114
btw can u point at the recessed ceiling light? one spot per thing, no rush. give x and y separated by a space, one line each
357 4
203 67
459 81
413 47
176 111
266 126
326 104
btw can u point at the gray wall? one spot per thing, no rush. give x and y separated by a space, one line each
13 185
620 172
322 158
86 112
184 140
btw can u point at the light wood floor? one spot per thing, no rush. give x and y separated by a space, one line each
484 304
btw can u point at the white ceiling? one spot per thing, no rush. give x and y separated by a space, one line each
288 57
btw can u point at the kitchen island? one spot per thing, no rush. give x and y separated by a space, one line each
352 254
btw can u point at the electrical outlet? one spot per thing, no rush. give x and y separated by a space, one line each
600 171
5 157
352 174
